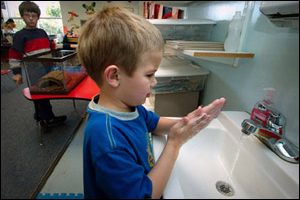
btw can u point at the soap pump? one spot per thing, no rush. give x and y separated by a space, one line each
269 98
262 110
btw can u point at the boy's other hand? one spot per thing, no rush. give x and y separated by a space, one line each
73 46
18 79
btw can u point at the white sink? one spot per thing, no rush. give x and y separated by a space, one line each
208 158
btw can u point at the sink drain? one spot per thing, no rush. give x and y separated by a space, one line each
224 188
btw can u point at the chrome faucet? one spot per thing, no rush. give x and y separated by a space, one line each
271 131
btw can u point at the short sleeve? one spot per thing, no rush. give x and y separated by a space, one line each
151 118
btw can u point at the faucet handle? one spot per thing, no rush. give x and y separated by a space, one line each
276 123
248 127
286 150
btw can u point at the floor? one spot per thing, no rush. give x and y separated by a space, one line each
66 177
66 180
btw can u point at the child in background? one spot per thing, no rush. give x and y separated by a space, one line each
29 41
121 52
7 31
9 25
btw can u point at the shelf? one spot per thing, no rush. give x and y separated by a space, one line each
229 58
198 53
181 21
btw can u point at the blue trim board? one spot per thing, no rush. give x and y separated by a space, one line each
60 196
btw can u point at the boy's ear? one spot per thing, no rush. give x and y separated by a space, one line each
112 75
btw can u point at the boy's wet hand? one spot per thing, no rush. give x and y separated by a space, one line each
215 107
195 121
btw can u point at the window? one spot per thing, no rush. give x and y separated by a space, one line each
50 19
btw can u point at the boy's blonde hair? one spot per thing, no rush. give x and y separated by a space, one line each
116 36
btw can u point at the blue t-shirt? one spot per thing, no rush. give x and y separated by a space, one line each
117 154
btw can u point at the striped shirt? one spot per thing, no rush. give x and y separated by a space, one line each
29 42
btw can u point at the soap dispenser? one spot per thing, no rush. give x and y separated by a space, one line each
264 114
262 109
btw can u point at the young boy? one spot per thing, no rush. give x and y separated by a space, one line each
29 41
121 53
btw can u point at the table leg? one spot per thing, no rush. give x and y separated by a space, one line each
39 121
74 106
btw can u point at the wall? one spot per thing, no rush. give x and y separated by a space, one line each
276 61
276 64
76 6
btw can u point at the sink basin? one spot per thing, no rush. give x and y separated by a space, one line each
209 157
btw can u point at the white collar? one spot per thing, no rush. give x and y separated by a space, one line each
119 115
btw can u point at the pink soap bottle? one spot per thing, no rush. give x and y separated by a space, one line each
261 110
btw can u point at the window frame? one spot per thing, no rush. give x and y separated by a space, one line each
7 14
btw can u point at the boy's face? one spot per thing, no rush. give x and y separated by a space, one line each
30 19
135 89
